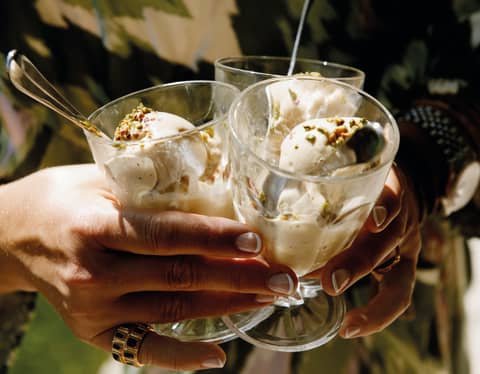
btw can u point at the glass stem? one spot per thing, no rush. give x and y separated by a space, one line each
307 289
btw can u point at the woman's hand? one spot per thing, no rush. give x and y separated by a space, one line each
63 234
392 228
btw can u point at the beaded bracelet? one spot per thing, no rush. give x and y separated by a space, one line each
451 171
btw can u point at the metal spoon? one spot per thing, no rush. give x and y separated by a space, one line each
27 79
367 143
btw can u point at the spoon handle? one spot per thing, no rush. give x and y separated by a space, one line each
27 79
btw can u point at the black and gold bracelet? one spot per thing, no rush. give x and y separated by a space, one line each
441 155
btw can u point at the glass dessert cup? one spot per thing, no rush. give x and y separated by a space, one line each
304 218
185 171
243 71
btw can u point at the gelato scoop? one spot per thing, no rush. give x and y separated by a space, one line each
309 132
315 146
143 123
162 161
312 222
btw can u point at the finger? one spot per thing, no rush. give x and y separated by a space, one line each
388 204
366 253
170 353
131 273
392 300
165 307
173 233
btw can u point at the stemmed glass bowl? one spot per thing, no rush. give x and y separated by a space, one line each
243 71
305 219
186 171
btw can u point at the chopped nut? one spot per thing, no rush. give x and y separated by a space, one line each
340 130
276 110
311 138
293 95
131 124
323 131
209 131
262 198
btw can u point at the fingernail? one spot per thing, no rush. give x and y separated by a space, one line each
340 279
351 331
281 283
379 215
213 363
265 298
249 242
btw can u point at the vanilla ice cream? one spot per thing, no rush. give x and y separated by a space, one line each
314 146
312 221
287 110
162 162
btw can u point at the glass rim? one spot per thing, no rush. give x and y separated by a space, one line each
222 62
120 143
305 177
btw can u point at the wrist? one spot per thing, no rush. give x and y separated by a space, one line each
439 151
11 269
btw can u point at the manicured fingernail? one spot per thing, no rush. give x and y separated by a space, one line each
281 283
351 331
379 215
265 298
249 242
340 279
213 363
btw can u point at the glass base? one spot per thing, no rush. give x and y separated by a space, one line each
211 330
299 323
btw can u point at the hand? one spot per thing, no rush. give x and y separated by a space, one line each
63 234
394 223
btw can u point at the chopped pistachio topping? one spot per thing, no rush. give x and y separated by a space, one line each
131 127
342 132
276 110
338 121
119 145
209 131
262 198
288 217
311 138
90 128
310 74
293 95
323 131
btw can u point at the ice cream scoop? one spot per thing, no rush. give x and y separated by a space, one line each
319 146
152 159
322 146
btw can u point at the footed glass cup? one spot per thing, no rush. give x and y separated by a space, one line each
243 71
137 170
305 219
